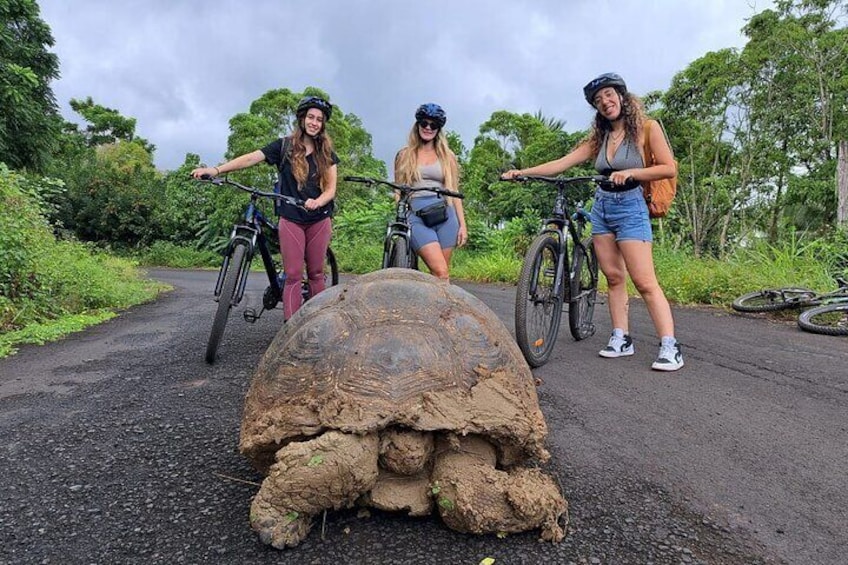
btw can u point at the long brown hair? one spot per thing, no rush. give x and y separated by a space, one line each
406 162
323 155
634 119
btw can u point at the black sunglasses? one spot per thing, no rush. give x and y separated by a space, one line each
427 124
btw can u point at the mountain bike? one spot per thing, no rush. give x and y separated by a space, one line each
826 313
397 249
248 236
560 266
774 299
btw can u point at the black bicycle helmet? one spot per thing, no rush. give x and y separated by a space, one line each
431 112
314 102
603 81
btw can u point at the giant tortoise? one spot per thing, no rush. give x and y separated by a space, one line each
404 393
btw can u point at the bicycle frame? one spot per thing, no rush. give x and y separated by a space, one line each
250 232
399 229
558 224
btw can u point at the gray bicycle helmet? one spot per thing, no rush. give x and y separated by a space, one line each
314 102
603 81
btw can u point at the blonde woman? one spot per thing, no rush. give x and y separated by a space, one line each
621 228
428 161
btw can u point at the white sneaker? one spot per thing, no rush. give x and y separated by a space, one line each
669 359
618 346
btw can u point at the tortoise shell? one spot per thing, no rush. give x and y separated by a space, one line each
393 348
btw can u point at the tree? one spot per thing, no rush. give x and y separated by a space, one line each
114 193
28 114
508 140
106 125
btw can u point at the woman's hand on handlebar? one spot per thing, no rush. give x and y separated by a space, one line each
311 204
511 174
200 172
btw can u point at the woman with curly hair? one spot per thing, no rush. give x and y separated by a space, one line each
307 167
621 227
428 161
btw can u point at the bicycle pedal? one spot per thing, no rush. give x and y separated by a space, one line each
250 315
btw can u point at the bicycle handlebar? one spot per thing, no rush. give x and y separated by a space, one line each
405 188
601 180
218 181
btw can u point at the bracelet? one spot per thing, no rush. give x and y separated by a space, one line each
217 171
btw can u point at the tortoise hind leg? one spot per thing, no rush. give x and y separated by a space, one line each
328 472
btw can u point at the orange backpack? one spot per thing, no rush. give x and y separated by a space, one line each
658 193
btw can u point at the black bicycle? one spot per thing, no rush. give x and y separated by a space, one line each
824 312
551 277
248 236
397 249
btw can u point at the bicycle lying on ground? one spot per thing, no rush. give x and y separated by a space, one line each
560 266
825 313
397 249
248 236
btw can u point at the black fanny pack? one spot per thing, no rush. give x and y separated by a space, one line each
434 214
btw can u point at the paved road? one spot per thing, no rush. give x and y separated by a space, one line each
119 446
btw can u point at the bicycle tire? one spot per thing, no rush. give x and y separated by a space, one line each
829 319
538 309
584 291
399 254
774 299
225 300
333 267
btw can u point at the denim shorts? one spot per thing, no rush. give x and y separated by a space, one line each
623 214
445 233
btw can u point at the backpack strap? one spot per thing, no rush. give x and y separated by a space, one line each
285 150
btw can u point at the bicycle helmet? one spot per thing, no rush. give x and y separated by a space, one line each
314 102
603 81
431 112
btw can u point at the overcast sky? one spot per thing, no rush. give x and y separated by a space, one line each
183 68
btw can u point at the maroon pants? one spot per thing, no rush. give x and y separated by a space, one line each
299 243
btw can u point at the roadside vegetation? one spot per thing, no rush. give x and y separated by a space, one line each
759 132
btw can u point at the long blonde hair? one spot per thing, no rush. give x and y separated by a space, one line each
406 161
634 120
323 155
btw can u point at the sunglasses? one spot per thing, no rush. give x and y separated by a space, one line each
427 124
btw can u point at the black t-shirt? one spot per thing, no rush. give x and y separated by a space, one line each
288 186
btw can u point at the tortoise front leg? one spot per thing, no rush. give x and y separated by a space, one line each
474 497
328 472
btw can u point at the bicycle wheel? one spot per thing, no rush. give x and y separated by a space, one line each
774 299
584 291
399 253
331 269
225 300
538 307
830 319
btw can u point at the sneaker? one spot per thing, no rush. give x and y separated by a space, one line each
669 359
618 346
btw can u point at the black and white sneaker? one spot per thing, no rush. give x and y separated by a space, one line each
669 359
618 346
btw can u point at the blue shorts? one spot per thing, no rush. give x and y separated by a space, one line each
623 214
445 233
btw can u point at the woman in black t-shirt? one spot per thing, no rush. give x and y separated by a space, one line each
308 171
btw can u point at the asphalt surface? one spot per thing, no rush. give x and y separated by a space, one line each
120 446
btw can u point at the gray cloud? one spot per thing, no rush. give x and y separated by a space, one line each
184 68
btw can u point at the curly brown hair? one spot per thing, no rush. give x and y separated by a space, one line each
634 119
323 155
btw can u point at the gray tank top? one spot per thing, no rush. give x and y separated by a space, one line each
627 156
431 175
